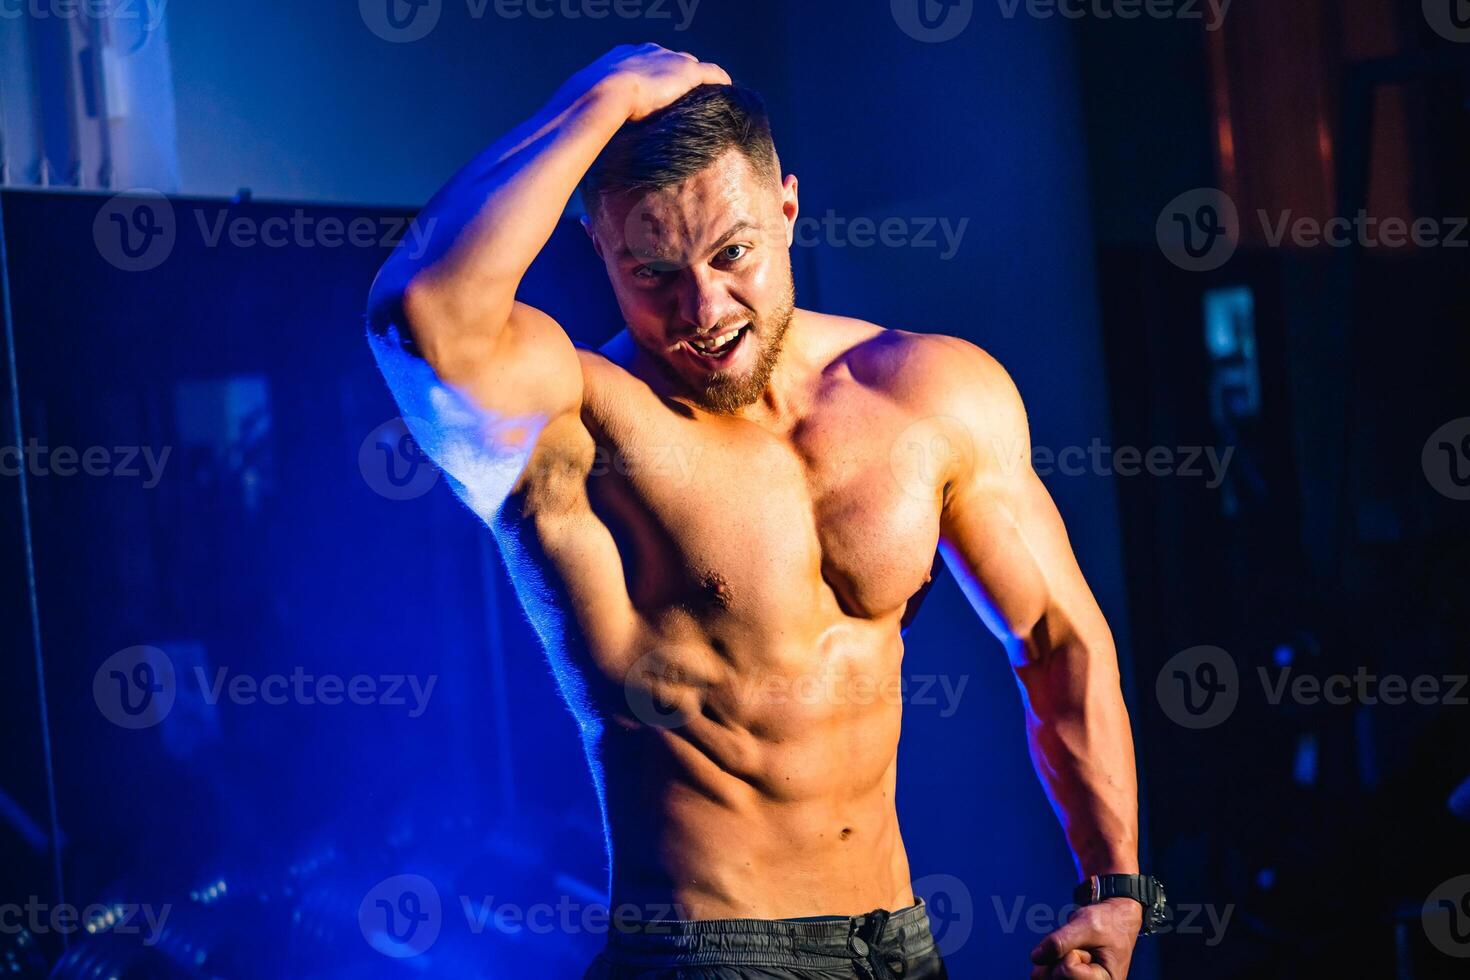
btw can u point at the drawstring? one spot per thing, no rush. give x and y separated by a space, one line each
864 941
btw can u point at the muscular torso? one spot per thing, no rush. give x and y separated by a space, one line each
722 605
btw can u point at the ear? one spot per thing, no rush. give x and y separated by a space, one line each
587 227
790 207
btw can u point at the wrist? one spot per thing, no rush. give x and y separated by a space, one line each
1108 858
1149 905
617 92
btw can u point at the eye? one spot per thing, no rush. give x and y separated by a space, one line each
733 253
653 271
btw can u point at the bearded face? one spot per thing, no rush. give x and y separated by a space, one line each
702 272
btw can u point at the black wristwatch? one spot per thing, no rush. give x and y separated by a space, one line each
1143 889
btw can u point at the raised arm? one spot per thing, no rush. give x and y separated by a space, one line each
1003 538
479 376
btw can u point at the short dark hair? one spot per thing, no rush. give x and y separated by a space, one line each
678 141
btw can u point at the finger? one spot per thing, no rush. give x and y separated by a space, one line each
1078 965
1080 933
714 74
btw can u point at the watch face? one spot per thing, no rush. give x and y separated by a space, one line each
1158 913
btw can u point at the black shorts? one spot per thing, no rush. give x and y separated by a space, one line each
880 945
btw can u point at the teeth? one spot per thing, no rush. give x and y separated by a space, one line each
715 343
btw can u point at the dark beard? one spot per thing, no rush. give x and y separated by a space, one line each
723 393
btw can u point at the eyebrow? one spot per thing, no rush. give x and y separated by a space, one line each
744 224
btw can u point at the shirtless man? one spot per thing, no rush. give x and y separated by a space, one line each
727 633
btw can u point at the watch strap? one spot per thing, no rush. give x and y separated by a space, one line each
1143 889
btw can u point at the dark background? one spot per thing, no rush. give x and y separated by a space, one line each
272 542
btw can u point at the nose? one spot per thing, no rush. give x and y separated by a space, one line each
703 299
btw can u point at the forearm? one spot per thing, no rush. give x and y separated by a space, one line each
1082 746
484 228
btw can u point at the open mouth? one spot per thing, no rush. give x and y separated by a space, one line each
715 348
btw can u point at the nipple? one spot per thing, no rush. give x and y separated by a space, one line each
716 589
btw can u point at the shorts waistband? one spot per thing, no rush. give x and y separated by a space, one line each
811 941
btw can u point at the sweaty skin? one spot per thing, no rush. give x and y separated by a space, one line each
719 556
